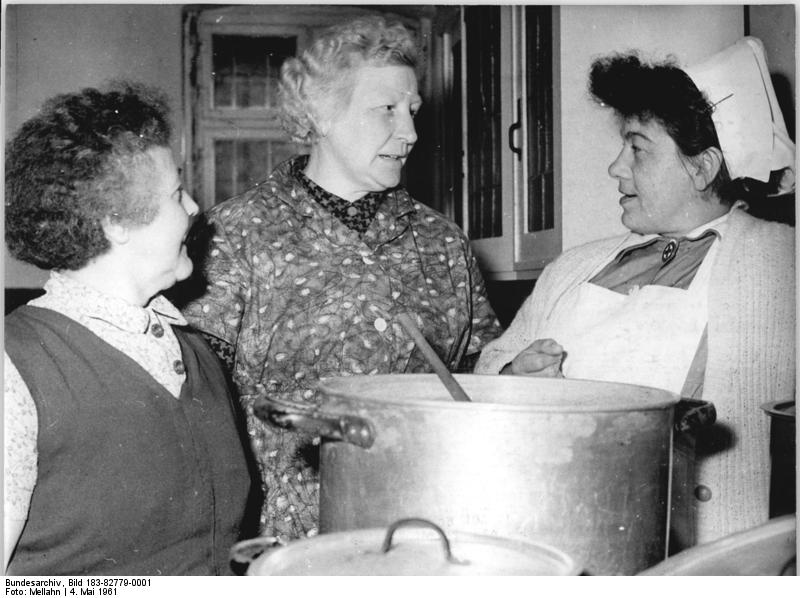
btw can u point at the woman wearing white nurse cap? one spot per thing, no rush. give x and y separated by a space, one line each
746 114
699 296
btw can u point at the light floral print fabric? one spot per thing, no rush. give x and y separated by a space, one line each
298 295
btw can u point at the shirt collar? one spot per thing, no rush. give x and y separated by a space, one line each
78 301
393 213
320 194
356 215
718 226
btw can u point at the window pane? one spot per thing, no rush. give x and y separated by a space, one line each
483 121
246 69
241 163
539 81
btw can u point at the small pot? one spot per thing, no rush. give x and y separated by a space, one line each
425 549
782 448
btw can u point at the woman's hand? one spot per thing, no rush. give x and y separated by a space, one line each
541 358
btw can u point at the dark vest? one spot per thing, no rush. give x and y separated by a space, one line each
131 480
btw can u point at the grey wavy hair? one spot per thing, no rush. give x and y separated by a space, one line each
316 85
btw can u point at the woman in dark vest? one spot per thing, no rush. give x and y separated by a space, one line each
125 452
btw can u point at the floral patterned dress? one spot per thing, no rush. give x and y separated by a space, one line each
294 294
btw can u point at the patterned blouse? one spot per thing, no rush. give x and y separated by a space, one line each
298 295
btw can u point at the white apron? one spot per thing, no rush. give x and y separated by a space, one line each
648 337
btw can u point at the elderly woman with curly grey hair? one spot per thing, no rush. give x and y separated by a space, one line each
306 270
126 453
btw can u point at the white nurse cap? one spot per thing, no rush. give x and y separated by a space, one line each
746 115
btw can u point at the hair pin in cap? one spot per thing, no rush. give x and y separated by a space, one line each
746 114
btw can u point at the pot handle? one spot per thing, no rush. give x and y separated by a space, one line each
247 551
349 428
416 521
692 415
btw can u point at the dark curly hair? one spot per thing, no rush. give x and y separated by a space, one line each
72 165
666 94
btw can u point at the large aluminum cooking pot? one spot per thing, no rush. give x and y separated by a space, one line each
420 548
579 465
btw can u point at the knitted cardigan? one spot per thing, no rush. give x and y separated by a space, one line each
751 356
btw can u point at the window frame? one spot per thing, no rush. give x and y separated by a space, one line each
250 116
516 254
206 123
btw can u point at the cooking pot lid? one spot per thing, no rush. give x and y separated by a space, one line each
412 551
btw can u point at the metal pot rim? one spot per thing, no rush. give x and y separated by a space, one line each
780 409
626 397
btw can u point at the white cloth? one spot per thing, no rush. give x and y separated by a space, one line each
648 337
747 117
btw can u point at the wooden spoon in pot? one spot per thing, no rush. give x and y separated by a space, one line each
450 383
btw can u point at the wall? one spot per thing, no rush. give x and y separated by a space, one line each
53 49
590 137
774 24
